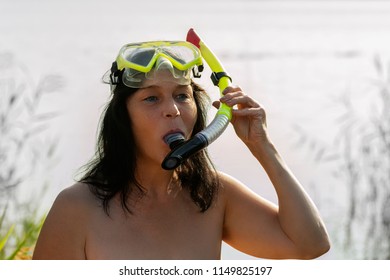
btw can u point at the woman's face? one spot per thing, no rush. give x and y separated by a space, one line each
159 109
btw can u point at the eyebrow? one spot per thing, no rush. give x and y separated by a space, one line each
157 86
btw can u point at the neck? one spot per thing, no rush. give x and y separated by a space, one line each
157 182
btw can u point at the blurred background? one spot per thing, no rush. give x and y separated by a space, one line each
320 68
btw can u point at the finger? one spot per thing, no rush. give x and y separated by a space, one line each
230 89
216 104
230 95
255 112
241 100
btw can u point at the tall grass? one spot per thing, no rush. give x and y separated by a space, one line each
24 148
360 156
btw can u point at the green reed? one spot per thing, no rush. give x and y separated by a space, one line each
24 148
359 157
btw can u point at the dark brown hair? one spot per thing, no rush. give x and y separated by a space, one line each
112 170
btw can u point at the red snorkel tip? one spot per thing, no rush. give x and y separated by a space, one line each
193 38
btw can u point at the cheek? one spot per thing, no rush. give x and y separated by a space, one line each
140 124
137 122
138 119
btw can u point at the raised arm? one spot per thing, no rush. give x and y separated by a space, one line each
293 229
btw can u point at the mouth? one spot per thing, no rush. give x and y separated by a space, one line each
174 137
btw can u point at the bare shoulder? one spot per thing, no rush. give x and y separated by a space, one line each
75 200
78 195
64 231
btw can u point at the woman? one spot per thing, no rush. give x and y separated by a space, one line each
127 206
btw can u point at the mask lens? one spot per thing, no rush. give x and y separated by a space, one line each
181 54
139 56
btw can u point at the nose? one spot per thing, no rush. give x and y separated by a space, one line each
171 110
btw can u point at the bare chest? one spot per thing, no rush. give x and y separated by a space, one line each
164 233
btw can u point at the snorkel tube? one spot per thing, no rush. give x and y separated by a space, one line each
181 149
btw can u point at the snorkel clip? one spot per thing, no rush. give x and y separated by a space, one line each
196 71
216 77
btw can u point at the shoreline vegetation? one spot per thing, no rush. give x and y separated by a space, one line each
25 148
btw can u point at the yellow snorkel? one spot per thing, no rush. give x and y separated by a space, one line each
181 150
219 76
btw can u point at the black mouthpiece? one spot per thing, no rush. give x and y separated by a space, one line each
174 140
183 150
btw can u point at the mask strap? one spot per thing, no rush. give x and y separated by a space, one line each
115 74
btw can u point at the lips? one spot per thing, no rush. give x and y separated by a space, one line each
173 135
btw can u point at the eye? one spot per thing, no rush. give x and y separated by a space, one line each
151 99
183 96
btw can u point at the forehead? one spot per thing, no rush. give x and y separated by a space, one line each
164 85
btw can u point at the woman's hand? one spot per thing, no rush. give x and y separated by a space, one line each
249 117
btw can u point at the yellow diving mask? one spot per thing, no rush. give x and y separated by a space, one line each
148 60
